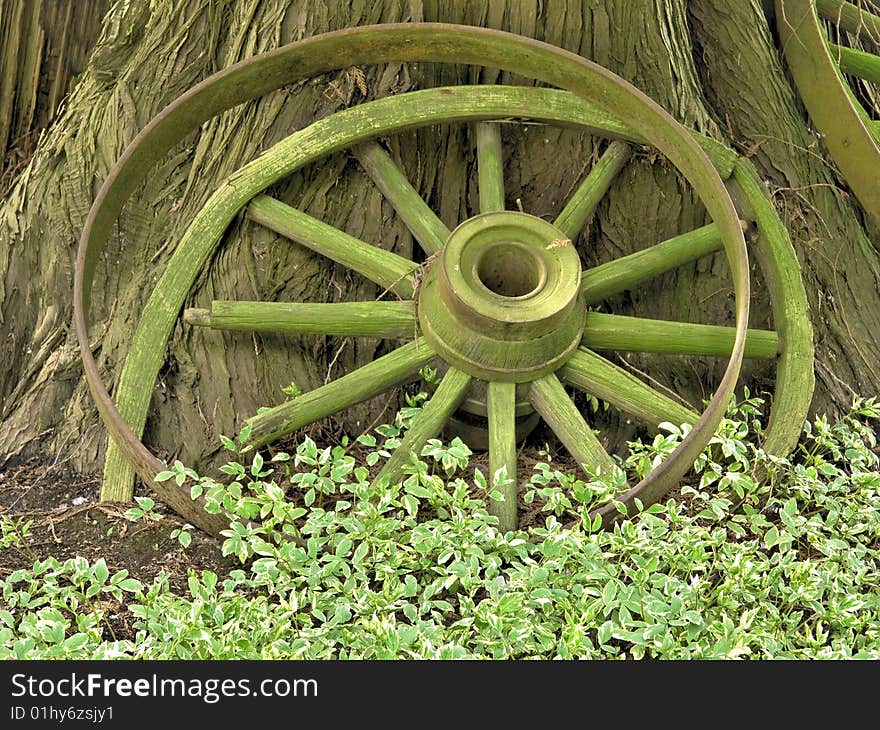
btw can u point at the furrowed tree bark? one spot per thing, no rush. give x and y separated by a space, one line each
711 63
44 44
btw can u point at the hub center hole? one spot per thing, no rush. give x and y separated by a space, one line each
510 269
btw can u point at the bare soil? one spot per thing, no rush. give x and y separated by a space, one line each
68 522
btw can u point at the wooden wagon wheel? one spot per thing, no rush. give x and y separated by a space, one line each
818 67
503 301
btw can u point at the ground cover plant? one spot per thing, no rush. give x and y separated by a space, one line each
756 557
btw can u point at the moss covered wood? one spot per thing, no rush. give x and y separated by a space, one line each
357 319
426 425
601 378
856 63
713 65
327 135
637 334
582 204
490 167
502 453
549 398
775 254
391 272
846 128
371 379
629 271
850 17
552 294
753 95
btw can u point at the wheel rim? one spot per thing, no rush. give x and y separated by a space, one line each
428 42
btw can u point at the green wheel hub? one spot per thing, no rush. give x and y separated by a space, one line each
500 301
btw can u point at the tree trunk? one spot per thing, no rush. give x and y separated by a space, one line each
711 63
45 44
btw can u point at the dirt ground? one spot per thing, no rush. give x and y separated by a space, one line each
68 521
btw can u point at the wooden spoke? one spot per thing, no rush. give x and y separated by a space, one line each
597 376
373 378
501 404
560 413
630 271
856 63
356 319
387 269
422 222
427 424
594 186
490 167
635 334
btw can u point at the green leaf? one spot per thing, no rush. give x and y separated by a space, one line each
77 641
360 553
417 491
410 504
101 572
342 614
145 503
